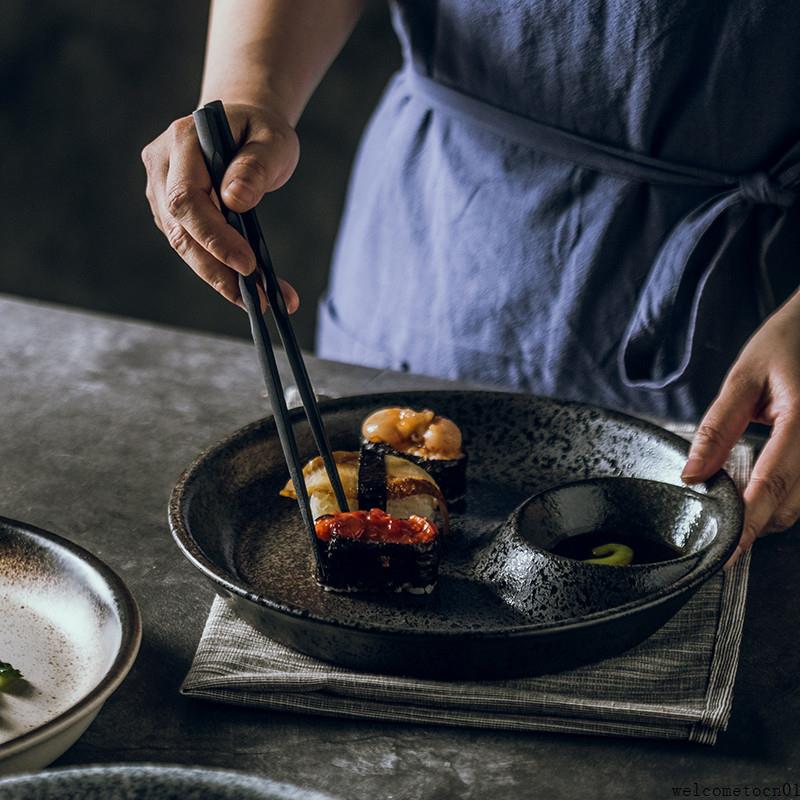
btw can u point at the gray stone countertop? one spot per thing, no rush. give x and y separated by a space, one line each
98 417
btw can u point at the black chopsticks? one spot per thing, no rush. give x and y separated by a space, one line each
219 148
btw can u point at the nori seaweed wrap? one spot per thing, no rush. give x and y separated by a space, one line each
372 483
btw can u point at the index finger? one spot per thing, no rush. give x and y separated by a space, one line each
188 200
775 473
720 428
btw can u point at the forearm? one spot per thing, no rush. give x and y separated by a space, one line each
273 53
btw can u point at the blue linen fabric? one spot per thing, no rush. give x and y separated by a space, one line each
468 254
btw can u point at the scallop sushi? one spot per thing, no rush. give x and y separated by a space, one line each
430 440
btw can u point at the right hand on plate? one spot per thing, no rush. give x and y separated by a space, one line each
184 206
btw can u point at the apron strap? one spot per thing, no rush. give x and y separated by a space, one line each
657 345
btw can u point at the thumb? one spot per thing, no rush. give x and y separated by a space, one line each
263 164
723 424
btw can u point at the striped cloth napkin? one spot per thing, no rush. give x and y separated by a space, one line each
678 684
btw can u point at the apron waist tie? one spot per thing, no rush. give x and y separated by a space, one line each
657 345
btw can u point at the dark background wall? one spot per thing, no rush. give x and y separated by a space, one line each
84 86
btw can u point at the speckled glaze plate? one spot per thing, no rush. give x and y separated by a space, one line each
227 518
71 626
149 782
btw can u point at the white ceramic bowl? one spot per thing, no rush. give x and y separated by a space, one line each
71 626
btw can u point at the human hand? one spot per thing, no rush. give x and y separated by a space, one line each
184 205
763 385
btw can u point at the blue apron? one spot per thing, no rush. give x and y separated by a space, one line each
588 200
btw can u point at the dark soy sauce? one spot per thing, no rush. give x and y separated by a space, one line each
645 550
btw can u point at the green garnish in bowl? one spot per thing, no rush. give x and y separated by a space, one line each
611 554
8 675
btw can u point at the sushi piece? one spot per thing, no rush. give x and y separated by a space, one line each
426 438
407 488
371 551
387 540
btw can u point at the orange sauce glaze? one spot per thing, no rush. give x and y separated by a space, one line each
375 526
420 433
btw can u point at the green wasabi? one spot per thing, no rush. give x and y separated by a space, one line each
8 675
612 554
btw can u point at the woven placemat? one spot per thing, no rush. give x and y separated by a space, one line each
678 684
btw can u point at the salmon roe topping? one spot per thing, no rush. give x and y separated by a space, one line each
375 526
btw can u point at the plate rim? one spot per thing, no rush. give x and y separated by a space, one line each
209 776
130 641
195 555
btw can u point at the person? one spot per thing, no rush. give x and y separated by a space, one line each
588 200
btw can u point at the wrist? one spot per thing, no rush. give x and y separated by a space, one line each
794 301
264 96
791 308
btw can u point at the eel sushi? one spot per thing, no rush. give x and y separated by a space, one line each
426 438
387 540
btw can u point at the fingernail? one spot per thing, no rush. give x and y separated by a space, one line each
241 192
693 469
733 559
241 263
292 302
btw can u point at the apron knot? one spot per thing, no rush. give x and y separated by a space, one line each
762 188
656 347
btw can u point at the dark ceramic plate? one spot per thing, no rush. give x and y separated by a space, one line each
149 783
227 517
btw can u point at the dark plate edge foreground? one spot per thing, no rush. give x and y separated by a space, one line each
131 637
228 587
161 776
